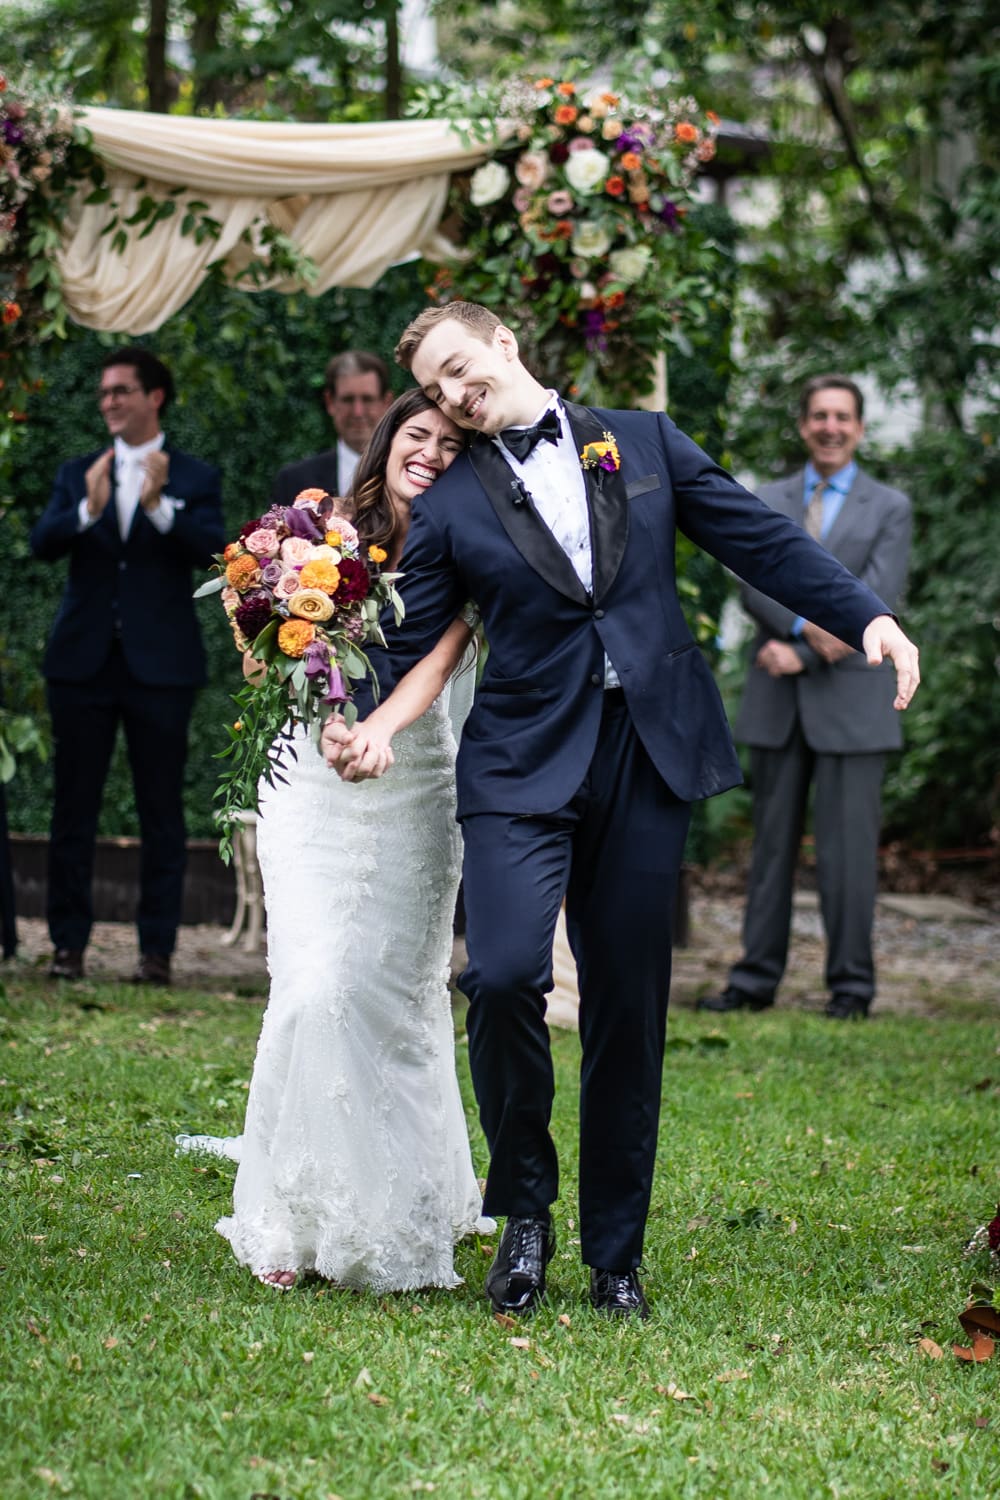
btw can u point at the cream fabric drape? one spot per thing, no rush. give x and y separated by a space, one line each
354 198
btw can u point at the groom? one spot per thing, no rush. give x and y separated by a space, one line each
595 726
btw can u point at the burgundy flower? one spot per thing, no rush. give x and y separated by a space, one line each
354 581
253 613
558 153
993 1231
248 527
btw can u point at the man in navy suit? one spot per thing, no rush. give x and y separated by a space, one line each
595 726
357 394
134 519
814 713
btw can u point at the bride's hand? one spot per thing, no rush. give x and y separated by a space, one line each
368 757
335 741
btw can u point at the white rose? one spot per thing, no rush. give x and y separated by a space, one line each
590 239
586 170
630 264
489 182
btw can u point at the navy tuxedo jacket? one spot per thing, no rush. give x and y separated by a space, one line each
532 731
139 586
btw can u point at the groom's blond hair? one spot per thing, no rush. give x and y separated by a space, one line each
477 319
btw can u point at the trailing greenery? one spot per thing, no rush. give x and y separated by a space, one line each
814 1190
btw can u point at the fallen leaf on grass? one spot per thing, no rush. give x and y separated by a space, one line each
981 1422
980 1317
51 1477
564 1319
727 1375
307 1356
982 1349
111 1343
520 1343
377 1400
505 1320
674 1392
931 1350
939 1466
364 1378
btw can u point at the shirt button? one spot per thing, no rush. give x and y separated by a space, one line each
596 679
598 614
121 567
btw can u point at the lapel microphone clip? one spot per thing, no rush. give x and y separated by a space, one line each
518 492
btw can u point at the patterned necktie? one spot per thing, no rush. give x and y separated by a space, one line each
520 441
813 521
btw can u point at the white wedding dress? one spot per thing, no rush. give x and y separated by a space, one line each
354 1160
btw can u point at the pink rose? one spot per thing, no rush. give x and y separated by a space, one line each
262 543
560 202
287 585
531 170
521 200
580 143
230 599
295 549
345 528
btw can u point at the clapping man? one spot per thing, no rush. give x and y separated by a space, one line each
134 520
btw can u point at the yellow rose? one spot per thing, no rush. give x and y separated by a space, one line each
311 604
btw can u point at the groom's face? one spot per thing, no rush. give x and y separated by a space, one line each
472 382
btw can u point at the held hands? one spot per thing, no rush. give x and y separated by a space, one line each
360 754
98 482
883 638
779 659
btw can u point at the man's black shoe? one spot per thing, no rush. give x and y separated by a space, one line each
732 999
152 968
516 1280
617 1294
67 963
846 1008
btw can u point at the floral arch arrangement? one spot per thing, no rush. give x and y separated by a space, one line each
576 228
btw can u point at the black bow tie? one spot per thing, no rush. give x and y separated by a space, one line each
520 441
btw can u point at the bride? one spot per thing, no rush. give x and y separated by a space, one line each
354 1161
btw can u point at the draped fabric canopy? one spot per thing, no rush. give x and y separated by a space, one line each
353 198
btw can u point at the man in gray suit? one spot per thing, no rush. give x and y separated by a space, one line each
813 712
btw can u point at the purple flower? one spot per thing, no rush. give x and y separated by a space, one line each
593 327
271 572
317 659
12 134
253 613
669 215
336 691
303 523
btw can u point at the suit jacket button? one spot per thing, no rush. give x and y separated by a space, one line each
596 679
598 614
122 566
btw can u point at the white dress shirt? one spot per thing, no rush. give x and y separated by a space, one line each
347 462
130 471
553 476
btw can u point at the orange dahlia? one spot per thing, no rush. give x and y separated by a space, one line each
566 114
320 574
294 636
685 131
242 573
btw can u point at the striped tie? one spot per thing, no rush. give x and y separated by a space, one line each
813 522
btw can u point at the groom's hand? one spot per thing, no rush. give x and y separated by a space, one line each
883 638
335 741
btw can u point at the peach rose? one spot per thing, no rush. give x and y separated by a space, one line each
262 543
308 499
295 549
311 604
287 585
531 170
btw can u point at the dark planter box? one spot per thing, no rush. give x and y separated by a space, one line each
209 887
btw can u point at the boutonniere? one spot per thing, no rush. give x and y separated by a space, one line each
603 455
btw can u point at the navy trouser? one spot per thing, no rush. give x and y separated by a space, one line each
614 852
85 719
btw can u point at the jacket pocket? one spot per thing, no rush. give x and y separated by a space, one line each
642 486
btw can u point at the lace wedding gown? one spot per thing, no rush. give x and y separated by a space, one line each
355 1161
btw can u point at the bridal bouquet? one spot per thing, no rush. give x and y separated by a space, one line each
303 600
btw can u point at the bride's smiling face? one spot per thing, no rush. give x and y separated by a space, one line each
420 451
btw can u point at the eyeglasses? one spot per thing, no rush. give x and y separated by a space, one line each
115 392
366 401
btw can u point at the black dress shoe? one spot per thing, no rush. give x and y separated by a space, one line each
732 999
617 1294
67 963
152 968
846 1008
516 1280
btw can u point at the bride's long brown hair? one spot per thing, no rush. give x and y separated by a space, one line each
376 518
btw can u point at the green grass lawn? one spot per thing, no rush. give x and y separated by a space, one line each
816 1183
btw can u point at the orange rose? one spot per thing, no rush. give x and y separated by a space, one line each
11 312
610 100
233 549
544 83
294 636
615 186
567 90
566 114
685 131
320 575
631 162
309 497
378 555
242 573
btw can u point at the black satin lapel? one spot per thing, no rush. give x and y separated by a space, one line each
607 501
523 524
